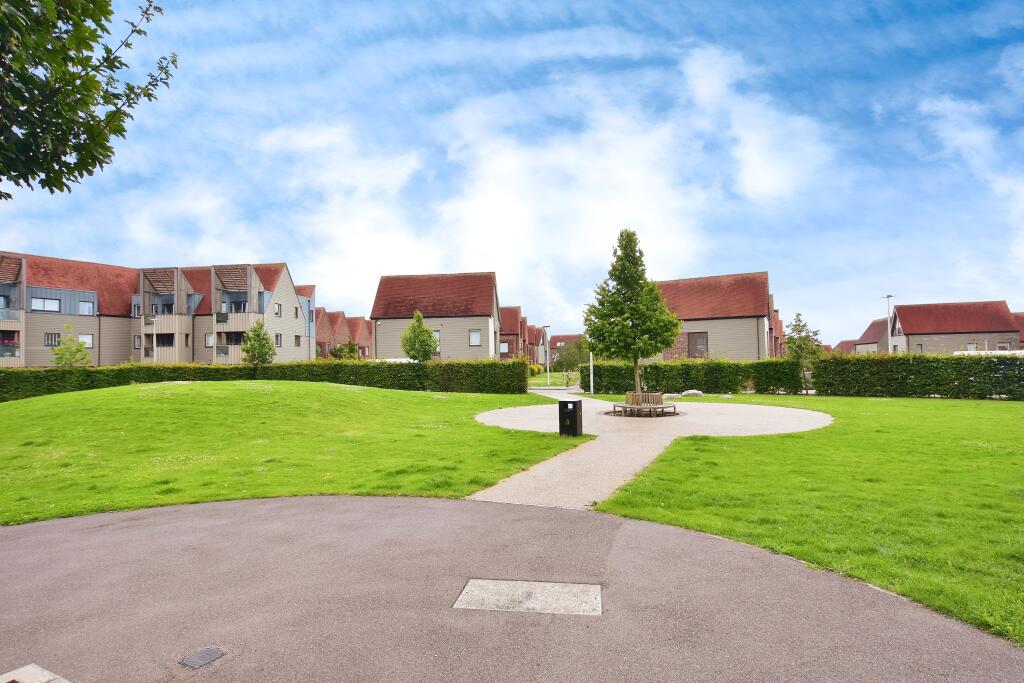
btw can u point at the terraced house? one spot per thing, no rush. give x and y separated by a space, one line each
171 314
951 327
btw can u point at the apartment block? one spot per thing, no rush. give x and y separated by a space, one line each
165 315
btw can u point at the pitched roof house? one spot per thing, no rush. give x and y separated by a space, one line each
875 338
846 346
557 341
724 316
1019 317
952 327
511 340
461 308
361 331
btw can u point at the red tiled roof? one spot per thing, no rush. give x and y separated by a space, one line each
874 333
358 330
536 334
510 318
339 327
567 339
956 318
114 285
744 295
269 274
323 325
305 290
827 348
1019 317
201 281
846 346
435 296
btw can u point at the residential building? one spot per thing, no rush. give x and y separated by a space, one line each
462 309
950 327
874 339
560 340
537 344
168 315
724 316
1019 317
846 346
511 343
362 332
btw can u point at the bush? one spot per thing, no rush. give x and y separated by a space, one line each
921 375
485 377
711 376
536 369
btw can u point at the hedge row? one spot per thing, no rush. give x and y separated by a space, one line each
710 376
485 377
921 375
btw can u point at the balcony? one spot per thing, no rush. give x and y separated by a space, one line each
222 350
147 352
10 314
10 350
148 320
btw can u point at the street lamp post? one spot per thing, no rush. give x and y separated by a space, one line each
547 352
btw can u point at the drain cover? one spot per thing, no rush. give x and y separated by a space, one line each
531 596
202 657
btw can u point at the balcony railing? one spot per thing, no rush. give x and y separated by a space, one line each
147 352
10 314
222 350
147 320
9 351
222 318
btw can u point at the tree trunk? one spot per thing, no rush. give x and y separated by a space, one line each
636 375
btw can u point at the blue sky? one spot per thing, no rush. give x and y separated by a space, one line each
850 149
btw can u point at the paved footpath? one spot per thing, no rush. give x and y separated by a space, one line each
337 588
593 471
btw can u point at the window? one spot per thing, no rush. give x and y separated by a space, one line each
504 347
209 341
277 340
233 306
187 340
559 344
85 308
51 339
972 346
277 310
5 301
137 342
895 348
296 311
697 344
164 340
437 337
233 338
1002 346
163 309
86 339
136 310
474 337
919 348
298 340
49 305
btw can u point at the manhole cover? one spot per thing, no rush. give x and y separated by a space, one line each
202 657
531 596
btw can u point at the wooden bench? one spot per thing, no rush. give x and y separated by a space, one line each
644 404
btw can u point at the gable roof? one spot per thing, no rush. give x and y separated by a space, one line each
435 296
323 325
305 290
201 281
744 295
536 334
845 346
875 332
510 319
358 330
269 274
114 285
566 339
956 318
339 327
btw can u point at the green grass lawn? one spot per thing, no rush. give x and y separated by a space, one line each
557 379
922 497
159 444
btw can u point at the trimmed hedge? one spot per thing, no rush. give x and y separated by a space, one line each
921 375
483 377
710 376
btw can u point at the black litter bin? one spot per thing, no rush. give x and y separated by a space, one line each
570 418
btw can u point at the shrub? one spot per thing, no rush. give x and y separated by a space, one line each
712 376
921 375
485 377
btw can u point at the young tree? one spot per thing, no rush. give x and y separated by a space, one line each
628 319
71 352
418 342
802 345
571 356
348 351
62 93
257 347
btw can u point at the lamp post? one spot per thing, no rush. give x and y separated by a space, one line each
547 352
888 306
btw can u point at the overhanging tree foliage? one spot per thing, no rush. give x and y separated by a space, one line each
62 88
628 319
417 341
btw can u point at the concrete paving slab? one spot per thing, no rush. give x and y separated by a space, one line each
353 588
591 472
531 596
